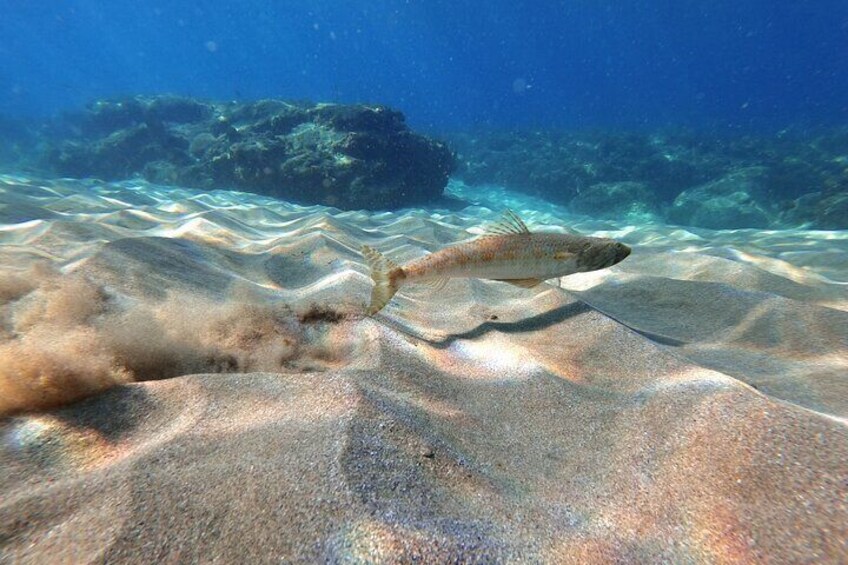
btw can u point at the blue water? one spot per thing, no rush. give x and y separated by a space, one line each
446 64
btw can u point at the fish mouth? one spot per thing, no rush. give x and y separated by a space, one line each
621 252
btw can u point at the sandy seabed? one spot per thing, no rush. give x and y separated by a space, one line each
188 377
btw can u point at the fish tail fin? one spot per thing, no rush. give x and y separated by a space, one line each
387 275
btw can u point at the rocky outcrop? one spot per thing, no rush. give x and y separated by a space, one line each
356 156
617 200
561 165
729 202
786 179
816 210
348 156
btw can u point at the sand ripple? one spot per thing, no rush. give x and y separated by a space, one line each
688 405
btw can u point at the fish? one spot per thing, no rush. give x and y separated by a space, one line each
508 252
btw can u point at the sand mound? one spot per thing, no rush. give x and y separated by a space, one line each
688 405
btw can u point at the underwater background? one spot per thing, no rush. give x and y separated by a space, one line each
188 372
447 65
726 116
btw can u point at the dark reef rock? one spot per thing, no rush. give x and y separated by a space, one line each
730 202
108 116
121 153
17 142
829 212
615 200
344 156
698 179
559 165
356 156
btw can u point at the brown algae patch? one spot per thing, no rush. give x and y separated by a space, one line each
68 337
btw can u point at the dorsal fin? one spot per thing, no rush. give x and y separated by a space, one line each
436 284
509 224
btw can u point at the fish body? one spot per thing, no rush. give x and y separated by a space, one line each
509 253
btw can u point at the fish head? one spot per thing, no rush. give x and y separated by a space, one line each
603 253
621 252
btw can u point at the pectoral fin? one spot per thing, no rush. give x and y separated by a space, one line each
436 284
523 283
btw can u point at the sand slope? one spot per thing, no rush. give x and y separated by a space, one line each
686 406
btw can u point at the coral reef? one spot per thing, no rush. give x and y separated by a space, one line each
357 156
698 179
347 156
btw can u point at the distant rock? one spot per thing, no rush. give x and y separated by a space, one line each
693 175
357 156
828 212
615 200
347 156
561 165
727 203
17 142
